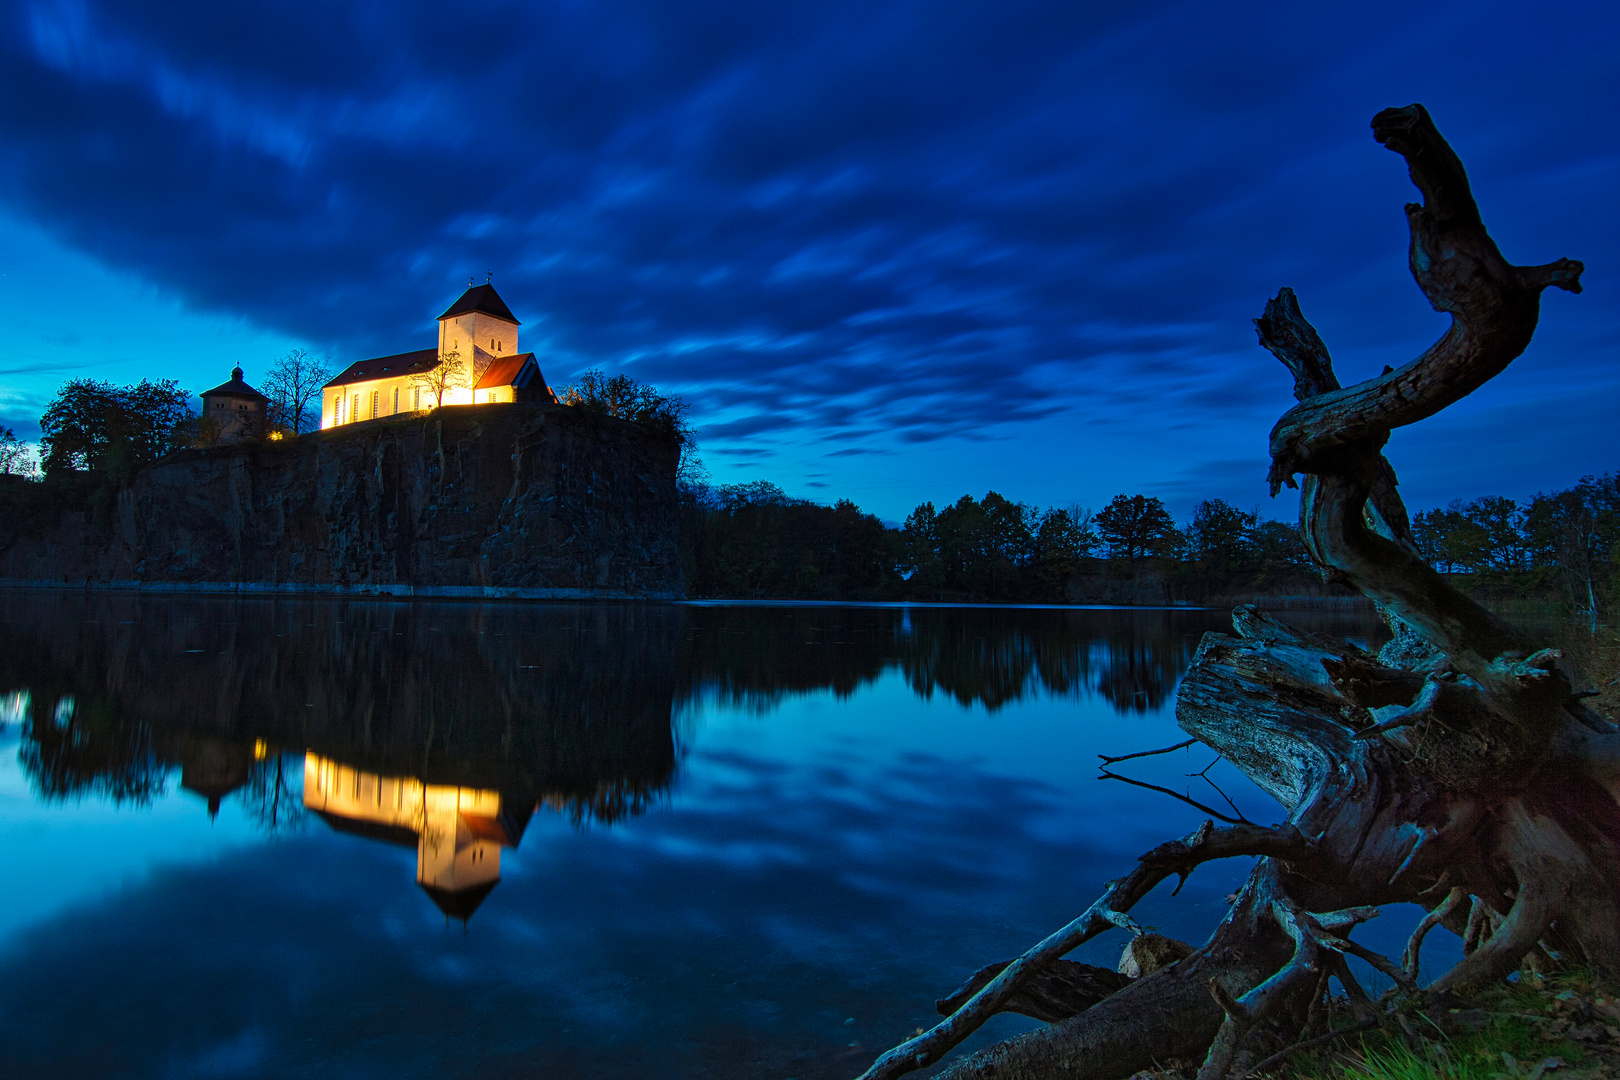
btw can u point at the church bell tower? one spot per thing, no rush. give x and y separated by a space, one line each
479 327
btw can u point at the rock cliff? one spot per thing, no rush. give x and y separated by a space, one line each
517 499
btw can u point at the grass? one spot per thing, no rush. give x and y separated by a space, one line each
1562 1026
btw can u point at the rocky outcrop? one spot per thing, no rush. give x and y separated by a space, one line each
517 499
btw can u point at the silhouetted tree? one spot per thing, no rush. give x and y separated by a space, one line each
626 398
1135 526
1221 536
94 426
293 385
1063 538
16 457
1578 531
1457 769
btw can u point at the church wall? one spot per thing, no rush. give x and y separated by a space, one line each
500 500
481 337
384 389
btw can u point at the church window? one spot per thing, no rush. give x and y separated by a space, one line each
418 402
396 399
354 409
374 395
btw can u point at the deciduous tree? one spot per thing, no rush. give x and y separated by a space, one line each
16 456
1135 526
448 374
95 426
293 384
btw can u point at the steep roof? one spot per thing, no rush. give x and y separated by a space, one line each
459 903
481 298
235 388
502 370
387 367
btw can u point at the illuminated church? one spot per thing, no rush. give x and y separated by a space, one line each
458 832
478 331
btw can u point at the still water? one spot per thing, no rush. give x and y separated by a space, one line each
325 838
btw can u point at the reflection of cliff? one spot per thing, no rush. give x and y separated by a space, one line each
571 703
565 704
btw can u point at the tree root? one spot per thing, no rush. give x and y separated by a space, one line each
1178 857
1055 992
1460 758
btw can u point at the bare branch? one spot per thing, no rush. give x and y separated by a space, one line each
1189 800
1147 753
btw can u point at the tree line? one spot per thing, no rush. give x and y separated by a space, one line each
1564 543
754 541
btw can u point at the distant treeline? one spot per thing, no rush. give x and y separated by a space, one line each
754 541
1564 545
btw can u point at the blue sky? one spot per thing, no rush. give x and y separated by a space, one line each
893 251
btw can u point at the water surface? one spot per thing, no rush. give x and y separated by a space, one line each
311 837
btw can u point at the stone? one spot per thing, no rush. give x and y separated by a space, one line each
1147 953
505 499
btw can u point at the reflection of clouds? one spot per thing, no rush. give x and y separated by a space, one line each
699 940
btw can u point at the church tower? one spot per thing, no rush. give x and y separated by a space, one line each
480 328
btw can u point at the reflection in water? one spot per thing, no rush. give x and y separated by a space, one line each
444 726
458 832
809 882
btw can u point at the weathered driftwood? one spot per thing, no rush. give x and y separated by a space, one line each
1455 765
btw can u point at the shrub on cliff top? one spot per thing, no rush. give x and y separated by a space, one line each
625 398
94 426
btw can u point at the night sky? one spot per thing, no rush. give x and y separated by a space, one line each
892 251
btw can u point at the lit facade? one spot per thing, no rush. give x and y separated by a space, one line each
479 330
458 832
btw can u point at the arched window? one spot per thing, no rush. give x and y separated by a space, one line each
354 409
396 399
374 395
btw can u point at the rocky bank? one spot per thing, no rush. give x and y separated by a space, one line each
488 500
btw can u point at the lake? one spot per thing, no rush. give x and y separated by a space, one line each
352 838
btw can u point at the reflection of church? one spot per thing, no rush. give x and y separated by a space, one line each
458 832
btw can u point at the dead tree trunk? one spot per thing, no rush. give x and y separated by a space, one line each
1456 769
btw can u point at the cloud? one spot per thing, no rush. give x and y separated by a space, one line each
885 219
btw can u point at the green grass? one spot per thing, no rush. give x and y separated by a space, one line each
1508 1033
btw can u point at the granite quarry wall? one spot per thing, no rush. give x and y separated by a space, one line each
489 500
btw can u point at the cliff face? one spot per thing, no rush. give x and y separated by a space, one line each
533 500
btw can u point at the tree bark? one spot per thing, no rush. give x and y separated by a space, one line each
1455 765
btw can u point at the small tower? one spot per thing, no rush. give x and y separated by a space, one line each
240 409
479 327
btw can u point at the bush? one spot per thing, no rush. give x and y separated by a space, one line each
623 397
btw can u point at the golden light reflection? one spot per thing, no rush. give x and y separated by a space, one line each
457 831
